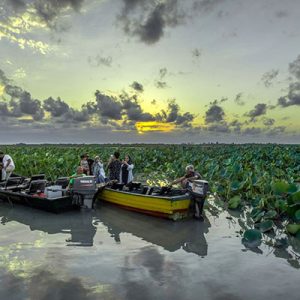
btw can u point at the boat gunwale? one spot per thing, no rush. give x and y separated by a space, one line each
33 197
173 198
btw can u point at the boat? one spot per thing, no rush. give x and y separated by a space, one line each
163 202
38 193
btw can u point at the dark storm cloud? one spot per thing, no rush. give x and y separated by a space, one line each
293 97
214 114
173 115
56 107
21 103
50 10
137 86
238 99
133 111
109 107
148 20
259 110
294 67
268 77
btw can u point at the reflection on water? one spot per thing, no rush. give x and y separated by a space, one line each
110 253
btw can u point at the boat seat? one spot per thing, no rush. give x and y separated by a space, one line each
13 182
36 186
164 190
134 186
150 191
144 190
62 181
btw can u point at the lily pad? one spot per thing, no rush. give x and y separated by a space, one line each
252 238
271 214
297 215
296 197
280 187
234 202
265 226
293 228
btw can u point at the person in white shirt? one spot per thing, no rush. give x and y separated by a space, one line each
127 166
8 165
98 170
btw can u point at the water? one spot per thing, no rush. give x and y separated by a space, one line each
111 253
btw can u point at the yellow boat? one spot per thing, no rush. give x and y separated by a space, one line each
173 205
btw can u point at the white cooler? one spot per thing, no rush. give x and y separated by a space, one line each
54 191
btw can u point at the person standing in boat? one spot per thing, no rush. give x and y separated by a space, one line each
8 165
98 170
188 178
84 164
114 166
127 166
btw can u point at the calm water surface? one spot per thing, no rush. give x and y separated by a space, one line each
110 253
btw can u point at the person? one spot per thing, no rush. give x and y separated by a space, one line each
188 178
90 163
8 165
114 166
127 166
79 173
84 164
98 170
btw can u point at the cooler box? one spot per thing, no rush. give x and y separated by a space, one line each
54 191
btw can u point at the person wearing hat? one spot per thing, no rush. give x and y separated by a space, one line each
8 165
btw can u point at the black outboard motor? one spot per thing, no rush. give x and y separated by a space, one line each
198 190
84 190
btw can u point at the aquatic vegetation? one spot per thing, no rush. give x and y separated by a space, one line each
264 179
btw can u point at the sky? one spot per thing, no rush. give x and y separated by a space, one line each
149 71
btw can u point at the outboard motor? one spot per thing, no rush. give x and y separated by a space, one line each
198 190
84 190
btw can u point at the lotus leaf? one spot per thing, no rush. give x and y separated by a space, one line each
265 226
280 187
234 202
252 238
293 228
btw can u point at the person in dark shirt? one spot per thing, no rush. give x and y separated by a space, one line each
189 177
114 167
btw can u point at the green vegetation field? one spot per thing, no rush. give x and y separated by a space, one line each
262 181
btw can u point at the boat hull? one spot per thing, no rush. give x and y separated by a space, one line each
174 208
55 205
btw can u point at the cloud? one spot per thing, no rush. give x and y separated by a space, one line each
214 114
148 20
294 67
49 10
17 5
219 128
56 107
109 107
238 99
252 131
173 115
259 110
100 60
293 96
133 111
268 77
268 122
196 53
161 84
206 6
281 14
137 86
